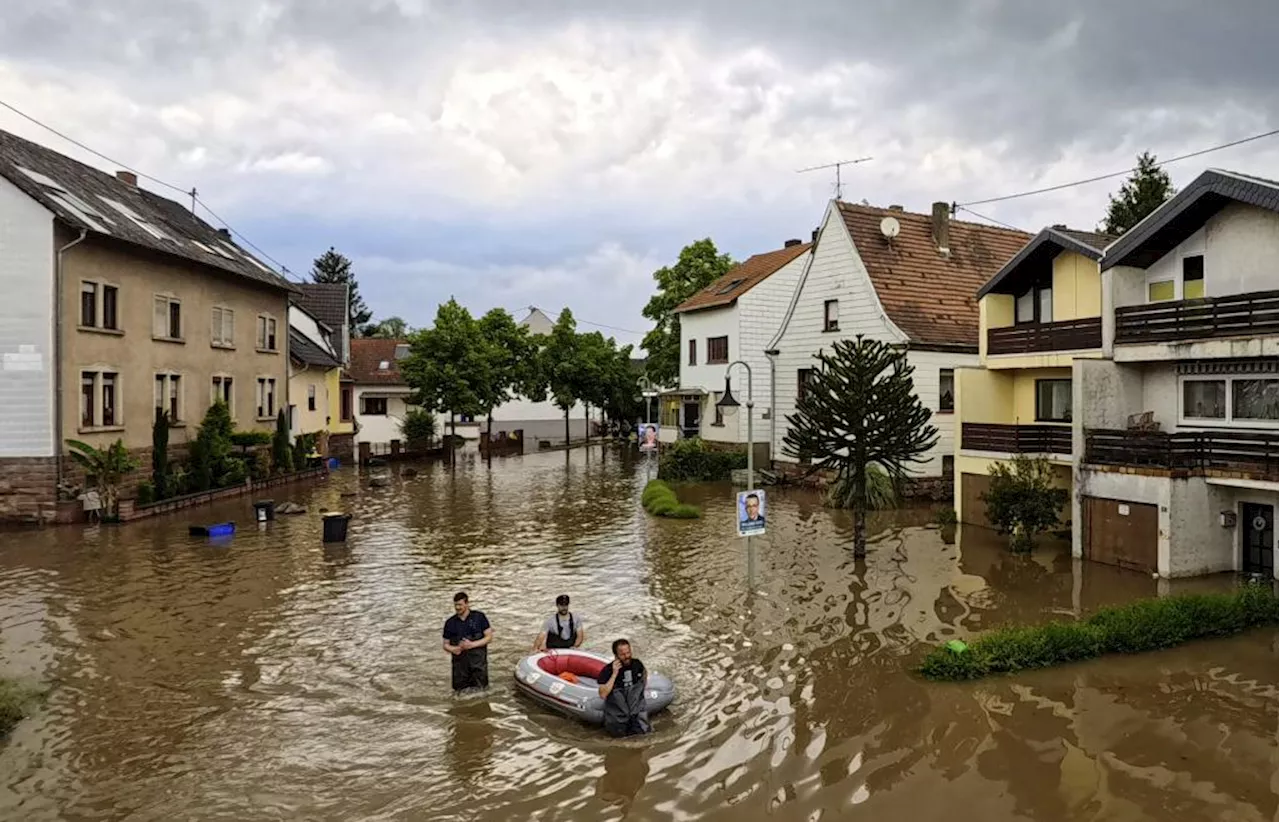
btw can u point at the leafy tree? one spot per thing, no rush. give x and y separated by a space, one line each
622 402
595 365
160 485
418 428
333 267
1142 193
507 353
559 361
392 328
1022 501
859 408
700 264
281 453
446 366
104 468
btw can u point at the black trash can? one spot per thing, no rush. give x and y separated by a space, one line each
335 526
264 510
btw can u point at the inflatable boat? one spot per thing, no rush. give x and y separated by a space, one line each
565 681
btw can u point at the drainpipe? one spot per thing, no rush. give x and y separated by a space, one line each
772 354
57 352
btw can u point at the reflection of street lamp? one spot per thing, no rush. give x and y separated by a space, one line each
728 401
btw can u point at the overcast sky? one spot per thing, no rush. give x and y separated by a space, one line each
555 154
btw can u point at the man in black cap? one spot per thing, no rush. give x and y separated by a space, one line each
466 636
561 630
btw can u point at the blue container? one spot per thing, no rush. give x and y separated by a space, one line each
218 529
333 463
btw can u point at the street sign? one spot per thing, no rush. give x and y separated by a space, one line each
751 513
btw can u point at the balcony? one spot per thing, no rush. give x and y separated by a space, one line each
1251 453
1238 315
1033 338
1015 439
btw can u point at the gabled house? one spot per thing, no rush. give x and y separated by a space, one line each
119 303
380 394
328 303
314 376
904 278
1175 431
1038 314
731 319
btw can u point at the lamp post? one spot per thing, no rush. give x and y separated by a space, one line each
646 391
728 402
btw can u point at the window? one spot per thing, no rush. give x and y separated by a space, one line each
109 299
831 315
168 395
730 286
167 319
99 399
1044 305
1193 277
946 390
373 406
1254 400
1161 291
223 326
948 465
1035 305
266 333
89 305
87 398
1204 399
803 377
1053 400
346 405
222 386
1024 308
384 365
311 397
1240 400
693 352
266 398
717 350
402 351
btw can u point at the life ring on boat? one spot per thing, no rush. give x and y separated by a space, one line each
544 676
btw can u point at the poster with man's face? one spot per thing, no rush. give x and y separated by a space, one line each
751 506
648 436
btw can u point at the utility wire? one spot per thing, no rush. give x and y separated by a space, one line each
589 322
1209 150
248 242
988 219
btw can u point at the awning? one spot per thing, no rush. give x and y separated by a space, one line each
687 393
387 393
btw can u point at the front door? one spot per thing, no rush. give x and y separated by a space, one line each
691 416
1259 529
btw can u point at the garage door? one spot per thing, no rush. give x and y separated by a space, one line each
973 511
1121 533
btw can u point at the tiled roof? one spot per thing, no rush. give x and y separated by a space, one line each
367 355
1095 240
302 349
742 278
927 294
86 198
327 302
1040 250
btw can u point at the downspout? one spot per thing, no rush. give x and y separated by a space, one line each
772 354
57 353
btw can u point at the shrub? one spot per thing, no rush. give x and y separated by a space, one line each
250 439
1144 625
881 492
159 456
281 453
946 517
211 449
104 468
234 474
1021 501
418 429
692 460
260 466
304 444
146 493
15 703
658 499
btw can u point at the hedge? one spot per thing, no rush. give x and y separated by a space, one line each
658 499
1145 625
15 703
692 460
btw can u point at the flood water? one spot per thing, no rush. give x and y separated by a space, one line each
273 678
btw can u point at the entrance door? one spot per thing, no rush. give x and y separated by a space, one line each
691 417
1121 533
1259 534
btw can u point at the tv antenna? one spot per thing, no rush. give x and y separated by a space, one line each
836 166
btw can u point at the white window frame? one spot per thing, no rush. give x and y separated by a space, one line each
311 397
97 418
261 384
1229 421
169 300
100 287
267 328
952 373
218 316
216 393
165 378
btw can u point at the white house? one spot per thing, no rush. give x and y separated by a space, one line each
731 319
908 279
380 395
1175 431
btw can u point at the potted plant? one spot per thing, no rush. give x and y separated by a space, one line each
104 469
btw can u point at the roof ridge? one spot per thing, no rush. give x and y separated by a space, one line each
954 220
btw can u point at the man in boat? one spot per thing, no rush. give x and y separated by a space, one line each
622 684
467 635
562 629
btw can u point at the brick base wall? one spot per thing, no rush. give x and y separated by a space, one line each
934 489
342 446
28 489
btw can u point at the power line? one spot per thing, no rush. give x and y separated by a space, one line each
283 268
1209 150
988 219
586 322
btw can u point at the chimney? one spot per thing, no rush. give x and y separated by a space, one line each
942 227
128 177
1060 226
791 244
813 238
895 208
225 233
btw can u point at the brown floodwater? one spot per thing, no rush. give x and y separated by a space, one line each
271 677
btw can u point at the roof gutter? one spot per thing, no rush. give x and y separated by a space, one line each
57 352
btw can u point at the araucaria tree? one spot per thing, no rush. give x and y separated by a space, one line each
859 408
332 267
700 264
1142 193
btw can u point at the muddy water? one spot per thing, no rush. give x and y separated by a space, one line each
272 678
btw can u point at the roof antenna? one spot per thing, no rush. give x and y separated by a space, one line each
193 199
836 166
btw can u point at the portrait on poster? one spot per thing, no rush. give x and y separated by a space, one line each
648 436
751 513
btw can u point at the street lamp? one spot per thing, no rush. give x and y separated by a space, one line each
728 401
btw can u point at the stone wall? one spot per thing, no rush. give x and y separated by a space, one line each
934 489
28 489
342 446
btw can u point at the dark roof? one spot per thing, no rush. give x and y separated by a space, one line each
1046 245
1184 213
927 294
367 354
327 302
86 198
742 278
302 349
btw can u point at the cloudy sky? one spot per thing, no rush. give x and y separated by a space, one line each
555 153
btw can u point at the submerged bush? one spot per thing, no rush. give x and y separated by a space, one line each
880 490
1145 625
658 499
16 702
692 460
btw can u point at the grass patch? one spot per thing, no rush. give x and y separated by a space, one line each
1145 625
658 499
16 702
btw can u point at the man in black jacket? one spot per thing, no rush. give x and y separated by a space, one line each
466 636
622 683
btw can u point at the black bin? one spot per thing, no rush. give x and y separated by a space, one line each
335 527
264 510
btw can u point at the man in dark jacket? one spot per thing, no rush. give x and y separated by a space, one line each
466 636
622 683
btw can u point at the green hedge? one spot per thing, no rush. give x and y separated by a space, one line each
1145 625
658 499
16 702
692 460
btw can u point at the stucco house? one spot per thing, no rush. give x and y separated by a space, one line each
380 394
329 305
314 376
889 274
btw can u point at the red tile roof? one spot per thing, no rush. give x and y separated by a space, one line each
746 274
927 294
367 354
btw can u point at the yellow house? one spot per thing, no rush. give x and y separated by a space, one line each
1036 315
315 373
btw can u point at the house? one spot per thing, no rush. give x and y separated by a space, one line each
119 303
1175 430
328 303
314 377
907 279
380 395
1038 314
731 319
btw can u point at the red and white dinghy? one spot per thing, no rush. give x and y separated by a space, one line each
565 681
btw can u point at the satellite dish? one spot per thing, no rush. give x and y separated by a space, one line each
889 227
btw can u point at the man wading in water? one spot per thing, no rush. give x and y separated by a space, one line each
622 684
466 636
561 630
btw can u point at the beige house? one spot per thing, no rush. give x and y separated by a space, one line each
120 302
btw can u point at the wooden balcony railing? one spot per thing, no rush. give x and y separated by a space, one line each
1207 318
1016 439
1067 335
1253 453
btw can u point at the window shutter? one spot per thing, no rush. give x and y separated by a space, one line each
228 326
160 319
